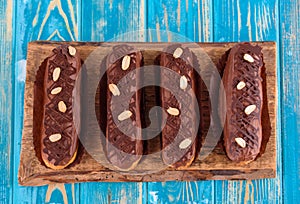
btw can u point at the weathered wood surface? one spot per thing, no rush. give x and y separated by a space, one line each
199 20
43 20
6 95
249 21
290 99
193 19
215 166
224 21
104 21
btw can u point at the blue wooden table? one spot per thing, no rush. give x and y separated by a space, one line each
23 21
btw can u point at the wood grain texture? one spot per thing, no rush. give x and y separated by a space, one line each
215 166
106 192
113 20
181 192
6 98
48 20
171 21
200 20
236 20
179 21
248 21
290 70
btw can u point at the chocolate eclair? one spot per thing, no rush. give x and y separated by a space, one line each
177 84
244 99
124 146
59 137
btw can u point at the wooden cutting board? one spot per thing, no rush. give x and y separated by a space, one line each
216 166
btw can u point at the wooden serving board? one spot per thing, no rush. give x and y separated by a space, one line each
216 166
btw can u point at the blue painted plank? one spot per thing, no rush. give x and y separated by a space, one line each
249 21
181 192
39 20
110 20
106 192
290 69
6 61
183 21
233 21
237 20
113 21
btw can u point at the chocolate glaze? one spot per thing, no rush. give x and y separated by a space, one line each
238 123
205 109
171 153
123 151
209 116
59 153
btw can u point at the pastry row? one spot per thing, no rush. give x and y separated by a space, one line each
184 118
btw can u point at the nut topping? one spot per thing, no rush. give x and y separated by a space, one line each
173 111
124 115
114 89
177 53
56 90
241 142
126 62
185 143
56 74
183 82
241 85
55 137
72 50
250 109
248 58
62 107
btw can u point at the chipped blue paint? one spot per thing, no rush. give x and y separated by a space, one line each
198 20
